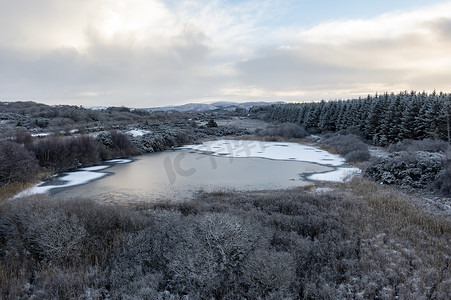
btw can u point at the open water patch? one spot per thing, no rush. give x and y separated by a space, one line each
179 174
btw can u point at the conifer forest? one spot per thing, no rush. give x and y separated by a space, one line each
382 119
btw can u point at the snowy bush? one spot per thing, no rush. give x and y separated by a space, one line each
427 145
64 153
358 155
118 143
17 164
442 184
349 146
418 169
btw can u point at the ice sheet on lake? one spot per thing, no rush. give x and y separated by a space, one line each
81 176
69 179
281 151
271 150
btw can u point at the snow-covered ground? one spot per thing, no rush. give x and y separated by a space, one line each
339 175
69 179
280 151
137 132
40 135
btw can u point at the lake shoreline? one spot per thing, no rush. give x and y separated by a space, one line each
311 175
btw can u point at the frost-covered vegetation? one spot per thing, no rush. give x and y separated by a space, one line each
351 147
418 164
363 241
17 164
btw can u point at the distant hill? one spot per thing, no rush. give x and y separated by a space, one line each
221 106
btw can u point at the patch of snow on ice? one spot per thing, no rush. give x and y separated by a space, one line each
82 176
119 161
70 179
271 150
338 175
94 168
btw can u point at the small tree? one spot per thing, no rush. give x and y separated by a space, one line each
212 123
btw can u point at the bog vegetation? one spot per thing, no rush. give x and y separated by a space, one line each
360 241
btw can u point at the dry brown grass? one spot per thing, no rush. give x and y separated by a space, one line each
12 189
395 209
401 242
8 191
327 148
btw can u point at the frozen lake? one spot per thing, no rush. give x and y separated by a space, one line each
213 166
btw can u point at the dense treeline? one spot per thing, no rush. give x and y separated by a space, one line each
383 119
368 243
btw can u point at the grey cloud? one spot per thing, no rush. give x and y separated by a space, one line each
297 68
116 71
441 28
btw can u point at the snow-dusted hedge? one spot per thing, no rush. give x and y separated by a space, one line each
350 146
418 169
17 164
427 145
442 184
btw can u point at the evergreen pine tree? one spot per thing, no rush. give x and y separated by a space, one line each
409 119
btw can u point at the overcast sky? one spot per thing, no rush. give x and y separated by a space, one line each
144 53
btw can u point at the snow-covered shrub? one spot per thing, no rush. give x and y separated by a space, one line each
118 143
350 146
210 253
418 169
64 153
269 273
427 145
359 155
47 232
136 264
17 164
442 184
